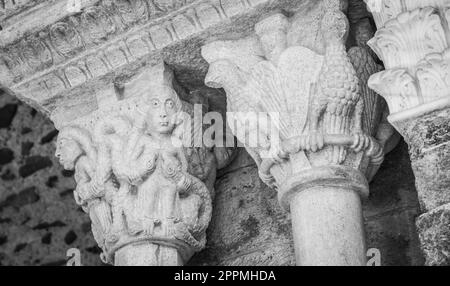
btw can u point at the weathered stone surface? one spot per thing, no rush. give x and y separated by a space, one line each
428 138
30 218
322 144
49 137
428 141
395 236
6 156
7 114
389 215
391 210
138 174
50 59
412 42
248 225
26 148
34 164
109 39
434 230
25 197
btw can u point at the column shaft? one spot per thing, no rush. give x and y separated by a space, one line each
148 254
328 227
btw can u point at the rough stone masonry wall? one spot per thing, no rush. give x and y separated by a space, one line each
39 220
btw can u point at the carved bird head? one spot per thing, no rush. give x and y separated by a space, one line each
334 27
224 74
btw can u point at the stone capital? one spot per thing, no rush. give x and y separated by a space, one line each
315 131
264 73
142 189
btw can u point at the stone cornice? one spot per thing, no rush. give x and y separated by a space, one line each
10 8
31 16
103 38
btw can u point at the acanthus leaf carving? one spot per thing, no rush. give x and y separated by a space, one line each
405 89
398 87
419 31
433 75
387 10
414 48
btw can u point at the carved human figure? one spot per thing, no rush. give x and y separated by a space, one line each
135 175
164 194
157 197
75 151
111 136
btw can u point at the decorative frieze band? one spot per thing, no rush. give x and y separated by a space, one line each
102 38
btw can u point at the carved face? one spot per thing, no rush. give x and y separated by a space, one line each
68 151
161 116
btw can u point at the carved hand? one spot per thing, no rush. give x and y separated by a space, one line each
362 142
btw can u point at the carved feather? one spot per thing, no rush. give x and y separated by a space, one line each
366 66
285 89
268 88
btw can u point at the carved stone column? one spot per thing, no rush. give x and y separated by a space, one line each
413 41
295 101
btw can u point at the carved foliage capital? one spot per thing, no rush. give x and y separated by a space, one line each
414 46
